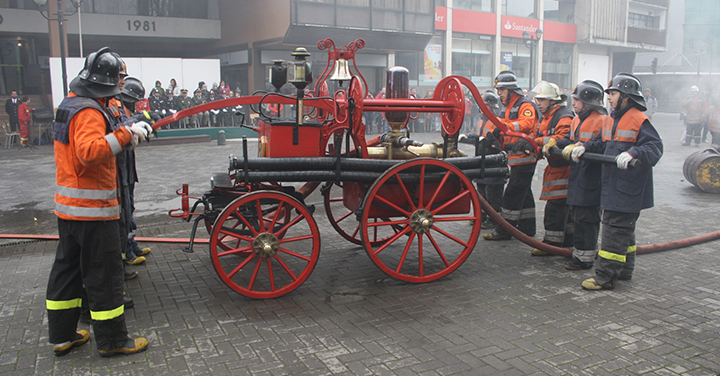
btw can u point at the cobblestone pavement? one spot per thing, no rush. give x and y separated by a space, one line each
503 312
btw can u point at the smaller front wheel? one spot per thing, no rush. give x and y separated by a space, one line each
264 244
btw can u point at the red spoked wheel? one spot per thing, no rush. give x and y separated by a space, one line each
344 220
264 244
436 205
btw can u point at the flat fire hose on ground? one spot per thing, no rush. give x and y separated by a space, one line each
559 251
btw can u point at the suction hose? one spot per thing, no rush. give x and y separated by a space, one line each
559 251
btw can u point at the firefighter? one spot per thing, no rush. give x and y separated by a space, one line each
626 135
88 209
490 188
518 204
584 180
133 91
554 126
696 108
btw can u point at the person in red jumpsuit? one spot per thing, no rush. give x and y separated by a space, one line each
24 121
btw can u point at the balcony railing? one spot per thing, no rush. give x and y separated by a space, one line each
649 36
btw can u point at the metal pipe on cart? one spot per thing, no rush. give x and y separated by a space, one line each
362 176
351 164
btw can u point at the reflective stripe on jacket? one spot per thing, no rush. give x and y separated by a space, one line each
555 124
584 182
86 175
630 190
520 116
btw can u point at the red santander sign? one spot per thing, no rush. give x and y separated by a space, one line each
468 21
515 26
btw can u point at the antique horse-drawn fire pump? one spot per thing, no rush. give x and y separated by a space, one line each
412 206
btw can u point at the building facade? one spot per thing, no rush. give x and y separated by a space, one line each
580 39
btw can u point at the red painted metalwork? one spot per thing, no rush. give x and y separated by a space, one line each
417 220
272 244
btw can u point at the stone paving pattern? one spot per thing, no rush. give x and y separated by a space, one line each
503 312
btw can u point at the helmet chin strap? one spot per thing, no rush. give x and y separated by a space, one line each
619 105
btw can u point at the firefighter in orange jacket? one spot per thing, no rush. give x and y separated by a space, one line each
554 126
88 261
627 134
584 180
518 204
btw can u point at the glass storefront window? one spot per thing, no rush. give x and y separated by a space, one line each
477 5
520 62
519 8
557 64
559 11
472 58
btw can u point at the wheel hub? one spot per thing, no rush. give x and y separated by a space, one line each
421 221
265 245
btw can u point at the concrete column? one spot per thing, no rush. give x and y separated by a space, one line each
447 58
497 46
540 6
391 60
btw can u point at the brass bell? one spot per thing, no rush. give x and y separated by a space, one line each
341 71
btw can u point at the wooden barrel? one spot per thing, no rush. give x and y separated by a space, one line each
702 169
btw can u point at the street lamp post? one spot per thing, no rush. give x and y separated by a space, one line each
531 40
42 4
698 55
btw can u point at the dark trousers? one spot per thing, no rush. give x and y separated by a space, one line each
493 194
14 124
558 224
586 223
518 204
693 133
88 254
618 237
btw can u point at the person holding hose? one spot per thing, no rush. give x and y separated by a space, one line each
584 179
88 261
553 127
627 134
518 204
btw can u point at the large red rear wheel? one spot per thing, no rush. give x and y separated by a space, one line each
264 244
344 220
436 205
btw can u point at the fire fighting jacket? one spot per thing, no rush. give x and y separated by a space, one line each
555 124
631 190
85 149
584 179
696 108
485 126
520 116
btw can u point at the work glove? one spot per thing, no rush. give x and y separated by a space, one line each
521 145
546 148
145 116
623 160
461 137
497 133
577 152
567 151
173 111
139 132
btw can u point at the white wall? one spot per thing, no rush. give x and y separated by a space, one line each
187 72
594 67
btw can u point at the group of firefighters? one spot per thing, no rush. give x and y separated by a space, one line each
579 194
95 131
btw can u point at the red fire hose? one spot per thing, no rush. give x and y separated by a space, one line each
559 251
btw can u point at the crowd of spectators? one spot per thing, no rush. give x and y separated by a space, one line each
172 99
